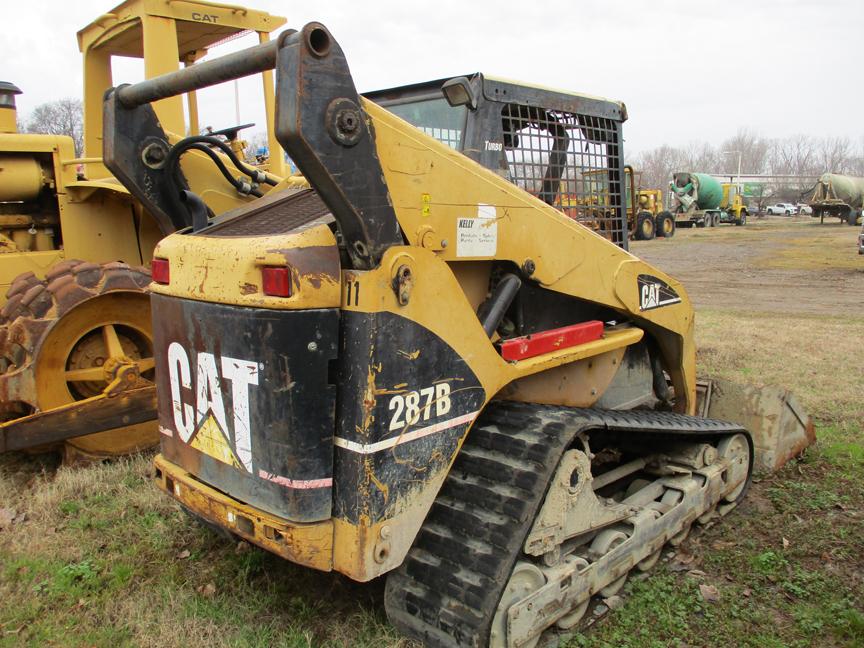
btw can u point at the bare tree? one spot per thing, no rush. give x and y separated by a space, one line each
658 165
795 155
61 117
834 153
857 161
752 148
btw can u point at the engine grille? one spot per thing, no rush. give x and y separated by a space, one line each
274 214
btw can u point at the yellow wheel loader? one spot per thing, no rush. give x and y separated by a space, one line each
76 341
415 368
646 217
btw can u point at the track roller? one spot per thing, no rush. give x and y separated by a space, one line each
482 571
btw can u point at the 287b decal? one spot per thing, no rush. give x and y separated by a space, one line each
413 406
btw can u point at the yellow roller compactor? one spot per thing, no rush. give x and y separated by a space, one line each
415 368
76 350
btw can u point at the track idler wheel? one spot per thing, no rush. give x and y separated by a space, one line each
525 579
736 451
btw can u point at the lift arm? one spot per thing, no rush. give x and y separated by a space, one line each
320 122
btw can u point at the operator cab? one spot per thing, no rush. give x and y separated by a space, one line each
563 147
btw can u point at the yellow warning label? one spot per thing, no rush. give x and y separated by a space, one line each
211 440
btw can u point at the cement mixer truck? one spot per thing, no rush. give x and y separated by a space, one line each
702 201
838 195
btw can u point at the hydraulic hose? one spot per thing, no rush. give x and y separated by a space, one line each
241 186
256 174
492 311
205 144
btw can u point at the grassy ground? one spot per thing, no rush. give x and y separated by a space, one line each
97 557
788 563
101 558
820 250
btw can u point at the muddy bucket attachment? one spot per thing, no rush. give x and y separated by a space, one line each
101 413
780 427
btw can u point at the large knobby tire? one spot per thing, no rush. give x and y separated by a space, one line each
852 218
23 289
665 224
71 322
644 227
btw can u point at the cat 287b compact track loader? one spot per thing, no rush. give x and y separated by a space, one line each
416 368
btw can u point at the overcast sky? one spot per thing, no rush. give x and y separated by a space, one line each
689 71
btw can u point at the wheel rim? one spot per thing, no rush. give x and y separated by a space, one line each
575 615
526 578
736 451
680 537
71 359
667 226
85 366
603 544
648 562
647 229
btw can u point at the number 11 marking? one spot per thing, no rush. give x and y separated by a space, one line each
348 286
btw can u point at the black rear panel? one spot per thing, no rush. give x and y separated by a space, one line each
408 399
245 402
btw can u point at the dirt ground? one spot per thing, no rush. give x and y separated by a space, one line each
97 556
773 264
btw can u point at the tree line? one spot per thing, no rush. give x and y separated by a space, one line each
798 155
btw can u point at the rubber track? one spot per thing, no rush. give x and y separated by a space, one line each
447 590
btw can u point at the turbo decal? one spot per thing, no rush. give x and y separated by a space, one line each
655 293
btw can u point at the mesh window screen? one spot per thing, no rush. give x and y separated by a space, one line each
569 161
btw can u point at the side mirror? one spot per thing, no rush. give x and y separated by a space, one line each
459 92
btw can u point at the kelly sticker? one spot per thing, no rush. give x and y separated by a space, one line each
478 236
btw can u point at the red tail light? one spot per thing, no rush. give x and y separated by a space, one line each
277 281
160 270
